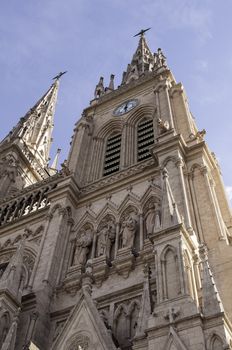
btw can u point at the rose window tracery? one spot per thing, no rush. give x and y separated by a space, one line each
80 342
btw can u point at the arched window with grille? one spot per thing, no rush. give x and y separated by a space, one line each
145 138
112 154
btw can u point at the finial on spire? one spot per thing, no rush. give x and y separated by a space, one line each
55 161
99 90
57 77
142 31
111 84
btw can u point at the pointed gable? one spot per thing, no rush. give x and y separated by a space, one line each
85 328
174 342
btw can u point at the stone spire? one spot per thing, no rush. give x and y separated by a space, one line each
33 132
54 165
211 302
99 90
143 61
145 310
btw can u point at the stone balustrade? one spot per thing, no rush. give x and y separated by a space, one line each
25 204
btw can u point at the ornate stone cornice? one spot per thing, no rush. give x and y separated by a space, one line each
105 181
134 83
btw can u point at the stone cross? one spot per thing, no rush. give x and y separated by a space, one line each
172 314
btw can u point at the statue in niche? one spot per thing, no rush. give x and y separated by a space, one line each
128 231
83 244
2 268
106 239
11 180
152 219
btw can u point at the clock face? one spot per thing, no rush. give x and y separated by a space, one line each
125 107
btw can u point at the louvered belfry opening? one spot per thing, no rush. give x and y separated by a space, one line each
145 137
112 155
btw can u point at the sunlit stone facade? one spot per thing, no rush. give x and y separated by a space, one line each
128 246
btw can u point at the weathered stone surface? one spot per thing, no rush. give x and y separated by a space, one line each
138 259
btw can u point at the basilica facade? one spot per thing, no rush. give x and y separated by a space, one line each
128 246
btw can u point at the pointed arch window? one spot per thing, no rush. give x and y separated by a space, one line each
112 154
145 138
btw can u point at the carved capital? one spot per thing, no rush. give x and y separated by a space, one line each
179 163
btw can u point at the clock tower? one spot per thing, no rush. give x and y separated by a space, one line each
152 196
129 245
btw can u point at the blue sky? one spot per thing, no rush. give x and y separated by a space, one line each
90 38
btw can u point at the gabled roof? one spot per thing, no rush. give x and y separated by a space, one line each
84 326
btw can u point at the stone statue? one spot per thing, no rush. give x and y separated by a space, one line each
106 239
83 244
163 126
128 232
152 219
10 178
160 59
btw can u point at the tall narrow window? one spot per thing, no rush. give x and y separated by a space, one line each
145 137
112 155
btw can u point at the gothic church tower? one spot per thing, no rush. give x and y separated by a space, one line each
129 245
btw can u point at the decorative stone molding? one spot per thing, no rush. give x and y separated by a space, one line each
172 159
177 89
100 270
78 342
147 254
124 262
138 168
72 281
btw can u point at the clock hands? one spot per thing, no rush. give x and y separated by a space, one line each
125 107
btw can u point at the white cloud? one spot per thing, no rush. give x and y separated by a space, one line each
180 14
202 65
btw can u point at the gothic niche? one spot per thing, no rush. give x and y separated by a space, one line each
216 343
3 267
170 273
4 327
106 238
83 245
125 323
10 177
128 237
152 212
189 274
